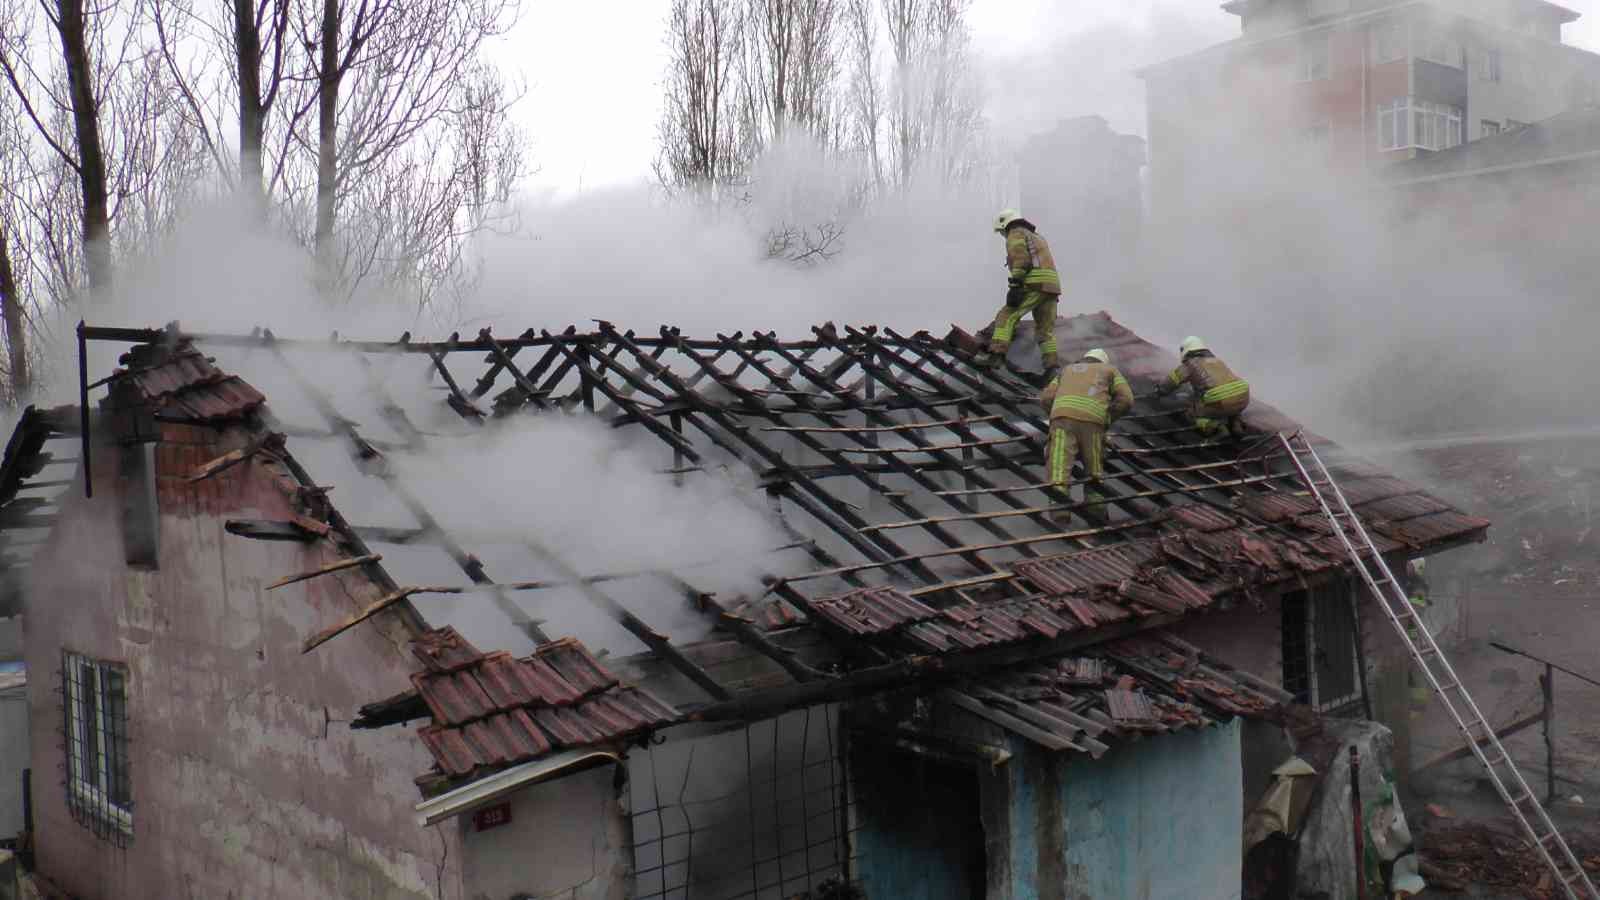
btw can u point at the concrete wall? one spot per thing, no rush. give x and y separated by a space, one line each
568 839
13 757
1160 819
246 780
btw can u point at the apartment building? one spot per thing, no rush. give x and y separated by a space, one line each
1349 85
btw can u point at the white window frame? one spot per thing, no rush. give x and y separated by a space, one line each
1395 29
95 791
1315 48
1418 124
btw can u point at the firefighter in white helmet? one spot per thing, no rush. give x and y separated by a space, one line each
1032 286
1081 401
1220 396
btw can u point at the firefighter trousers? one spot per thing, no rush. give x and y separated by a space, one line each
1043 308
1071 439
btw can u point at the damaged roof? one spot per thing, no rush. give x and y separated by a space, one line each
911 484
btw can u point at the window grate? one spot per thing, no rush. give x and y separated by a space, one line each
761 812
94 715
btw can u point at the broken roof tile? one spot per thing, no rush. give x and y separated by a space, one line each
444 650
1084 569
872 610
576 665
1202 518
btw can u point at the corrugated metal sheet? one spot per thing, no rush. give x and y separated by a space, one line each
1276 506
1366 490
1129 706
1408 506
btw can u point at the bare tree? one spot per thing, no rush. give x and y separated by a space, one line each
866 98
698 140
788 69
18 381
255 24
83 153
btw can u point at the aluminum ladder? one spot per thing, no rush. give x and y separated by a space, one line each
1514 790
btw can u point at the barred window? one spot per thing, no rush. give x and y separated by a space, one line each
95 706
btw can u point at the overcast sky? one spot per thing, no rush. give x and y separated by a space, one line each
593 70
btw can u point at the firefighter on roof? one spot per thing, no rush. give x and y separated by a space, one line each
1032 287
1082 400
1219 395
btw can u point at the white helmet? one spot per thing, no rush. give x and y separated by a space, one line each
1098 354
1004 220
1191 344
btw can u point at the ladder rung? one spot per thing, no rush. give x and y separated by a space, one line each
1450 687
1550 837
1527 795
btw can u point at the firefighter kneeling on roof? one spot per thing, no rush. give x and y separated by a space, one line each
1082 401
1220 396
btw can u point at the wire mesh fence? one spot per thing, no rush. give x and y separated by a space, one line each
762 812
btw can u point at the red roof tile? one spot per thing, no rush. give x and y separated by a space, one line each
872 610
180 382
491 711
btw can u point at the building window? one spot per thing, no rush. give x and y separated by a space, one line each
1389 42
1314 58
1404 123
1393 125
1317 9
1442 49
1489 64
95 701
1513 124
1320 665
1488 128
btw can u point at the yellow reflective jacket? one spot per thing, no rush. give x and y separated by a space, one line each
1087 391
1028 257
1210 378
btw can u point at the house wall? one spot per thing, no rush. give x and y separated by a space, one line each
246 780
1161 818
13 757
567 839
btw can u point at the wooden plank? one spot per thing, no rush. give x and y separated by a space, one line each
935 448
236 456
270 530
372 609
914 426
1463 752
337 566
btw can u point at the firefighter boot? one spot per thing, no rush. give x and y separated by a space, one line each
1094 508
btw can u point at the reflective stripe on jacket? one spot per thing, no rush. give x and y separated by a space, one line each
1212 380
1087 391
1028 257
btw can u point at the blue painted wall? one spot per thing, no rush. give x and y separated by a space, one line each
1155 820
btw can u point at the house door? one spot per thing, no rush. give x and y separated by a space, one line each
919 836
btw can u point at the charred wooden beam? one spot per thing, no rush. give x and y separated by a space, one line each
269 530
269 441
923 672
336 566
366 612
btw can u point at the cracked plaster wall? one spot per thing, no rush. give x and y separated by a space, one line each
246 780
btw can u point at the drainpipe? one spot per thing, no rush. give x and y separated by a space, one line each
1355 809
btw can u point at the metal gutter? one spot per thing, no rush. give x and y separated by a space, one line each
487 790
